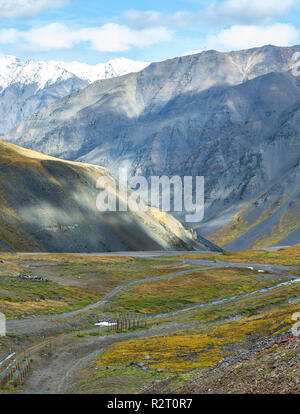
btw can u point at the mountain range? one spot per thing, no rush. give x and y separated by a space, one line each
231 117
28 86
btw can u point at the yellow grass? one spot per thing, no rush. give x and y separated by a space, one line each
184 352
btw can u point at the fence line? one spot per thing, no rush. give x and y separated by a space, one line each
127 320
15 371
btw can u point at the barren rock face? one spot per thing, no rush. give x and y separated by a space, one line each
233 118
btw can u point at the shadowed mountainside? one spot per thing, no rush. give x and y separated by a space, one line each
48 204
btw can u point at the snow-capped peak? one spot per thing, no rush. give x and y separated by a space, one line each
14 70
111 69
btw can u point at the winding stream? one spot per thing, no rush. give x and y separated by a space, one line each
245 295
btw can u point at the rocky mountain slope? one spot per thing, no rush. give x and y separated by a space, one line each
28 86
232 117
50 205
270 367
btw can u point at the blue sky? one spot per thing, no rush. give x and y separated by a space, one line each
95 31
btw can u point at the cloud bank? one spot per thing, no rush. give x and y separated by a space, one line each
110 37
231 24
248 11
27 8
244 37
217 14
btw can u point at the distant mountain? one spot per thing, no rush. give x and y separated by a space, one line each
232 117
111 69
48 204
28 86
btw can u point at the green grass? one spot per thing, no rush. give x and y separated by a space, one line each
75 281
19 296
172 294
110 275
114 380
100 272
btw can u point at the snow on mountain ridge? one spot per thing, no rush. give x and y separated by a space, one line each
14 70
112 68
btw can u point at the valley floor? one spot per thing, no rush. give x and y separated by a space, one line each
213 323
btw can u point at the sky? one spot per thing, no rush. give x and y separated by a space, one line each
94 31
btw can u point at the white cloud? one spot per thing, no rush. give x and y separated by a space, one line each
54 36
244 37
152 18
9 36
107 38
217 13
27 8
250 11
117 38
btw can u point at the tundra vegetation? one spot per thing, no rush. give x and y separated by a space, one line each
175 352
69 282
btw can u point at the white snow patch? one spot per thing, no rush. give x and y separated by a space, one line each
104 324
